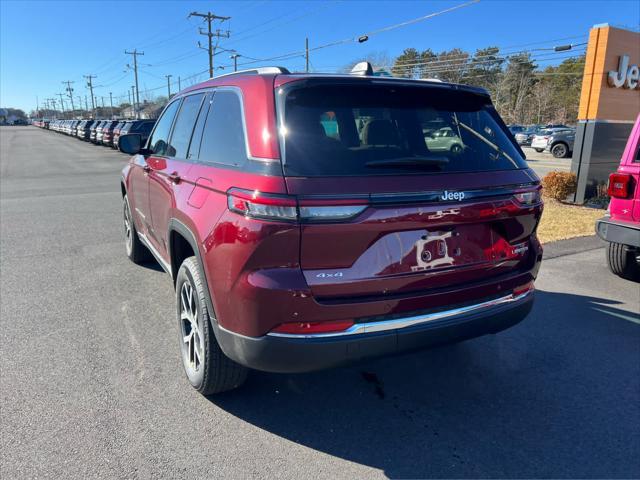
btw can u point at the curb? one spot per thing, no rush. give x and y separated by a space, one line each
561 248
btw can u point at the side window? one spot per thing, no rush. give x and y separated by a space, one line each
183 128
223 135
158 141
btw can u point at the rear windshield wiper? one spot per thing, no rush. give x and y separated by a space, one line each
409 162
488 142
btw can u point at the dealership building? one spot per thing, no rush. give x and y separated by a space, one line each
609 106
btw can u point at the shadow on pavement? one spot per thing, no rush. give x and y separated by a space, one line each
555 396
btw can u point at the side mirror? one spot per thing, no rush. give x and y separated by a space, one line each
130 143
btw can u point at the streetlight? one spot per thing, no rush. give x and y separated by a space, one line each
234 57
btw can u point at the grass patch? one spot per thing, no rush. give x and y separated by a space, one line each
561 221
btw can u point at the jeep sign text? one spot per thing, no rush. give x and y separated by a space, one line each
627 75
452 196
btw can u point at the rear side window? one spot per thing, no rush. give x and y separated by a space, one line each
183 128
336 130
223 136
158 142
143 127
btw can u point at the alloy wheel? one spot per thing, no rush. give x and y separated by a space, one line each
192 341
128 232
559 151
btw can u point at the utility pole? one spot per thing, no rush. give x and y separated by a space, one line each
90 85
86 105
61 103
133 97
169 86
306 54
53 102
129 93
111 102
70 93
135 54
210 17
234 57
179 86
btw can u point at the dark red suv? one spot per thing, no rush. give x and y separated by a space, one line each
309 221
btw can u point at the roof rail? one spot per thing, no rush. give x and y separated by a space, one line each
258 71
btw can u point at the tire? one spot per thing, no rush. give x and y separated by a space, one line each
456 149
623 261
136 251
539 150
207 368
560 150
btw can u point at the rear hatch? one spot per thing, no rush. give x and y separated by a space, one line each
403 187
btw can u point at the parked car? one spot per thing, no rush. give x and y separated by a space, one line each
107 132
561 143
143 127
73 127
84 129
516 128
620 227
545 138
306 223
93 131
78 129
99 129
116 133
525 137
444 139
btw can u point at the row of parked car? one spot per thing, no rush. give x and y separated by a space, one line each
100 132
555 139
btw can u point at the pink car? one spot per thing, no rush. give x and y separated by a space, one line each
620 228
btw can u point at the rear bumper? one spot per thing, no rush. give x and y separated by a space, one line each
618 232
285 354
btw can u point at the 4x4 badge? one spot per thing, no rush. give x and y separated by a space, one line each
452 196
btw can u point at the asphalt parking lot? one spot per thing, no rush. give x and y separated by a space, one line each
91 382
543 162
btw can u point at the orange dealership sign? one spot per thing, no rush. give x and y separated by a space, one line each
611 83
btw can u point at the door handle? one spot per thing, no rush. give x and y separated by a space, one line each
174 177
146 169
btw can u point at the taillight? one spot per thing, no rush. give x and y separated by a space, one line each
262 205
256 204
307 328
528 198
619 185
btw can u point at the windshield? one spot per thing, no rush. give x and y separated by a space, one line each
337 130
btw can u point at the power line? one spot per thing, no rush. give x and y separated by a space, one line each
210 17
367 34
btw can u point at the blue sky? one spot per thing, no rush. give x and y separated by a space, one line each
44 43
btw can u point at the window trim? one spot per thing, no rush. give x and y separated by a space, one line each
173 121
172 131
212 100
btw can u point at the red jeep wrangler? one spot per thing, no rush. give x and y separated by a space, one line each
312 220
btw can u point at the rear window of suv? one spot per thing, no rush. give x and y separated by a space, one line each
337 130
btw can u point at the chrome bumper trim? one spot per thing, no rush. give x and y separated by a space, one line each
400 323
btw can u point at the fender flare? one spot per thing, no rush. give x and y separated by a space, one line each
179 227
